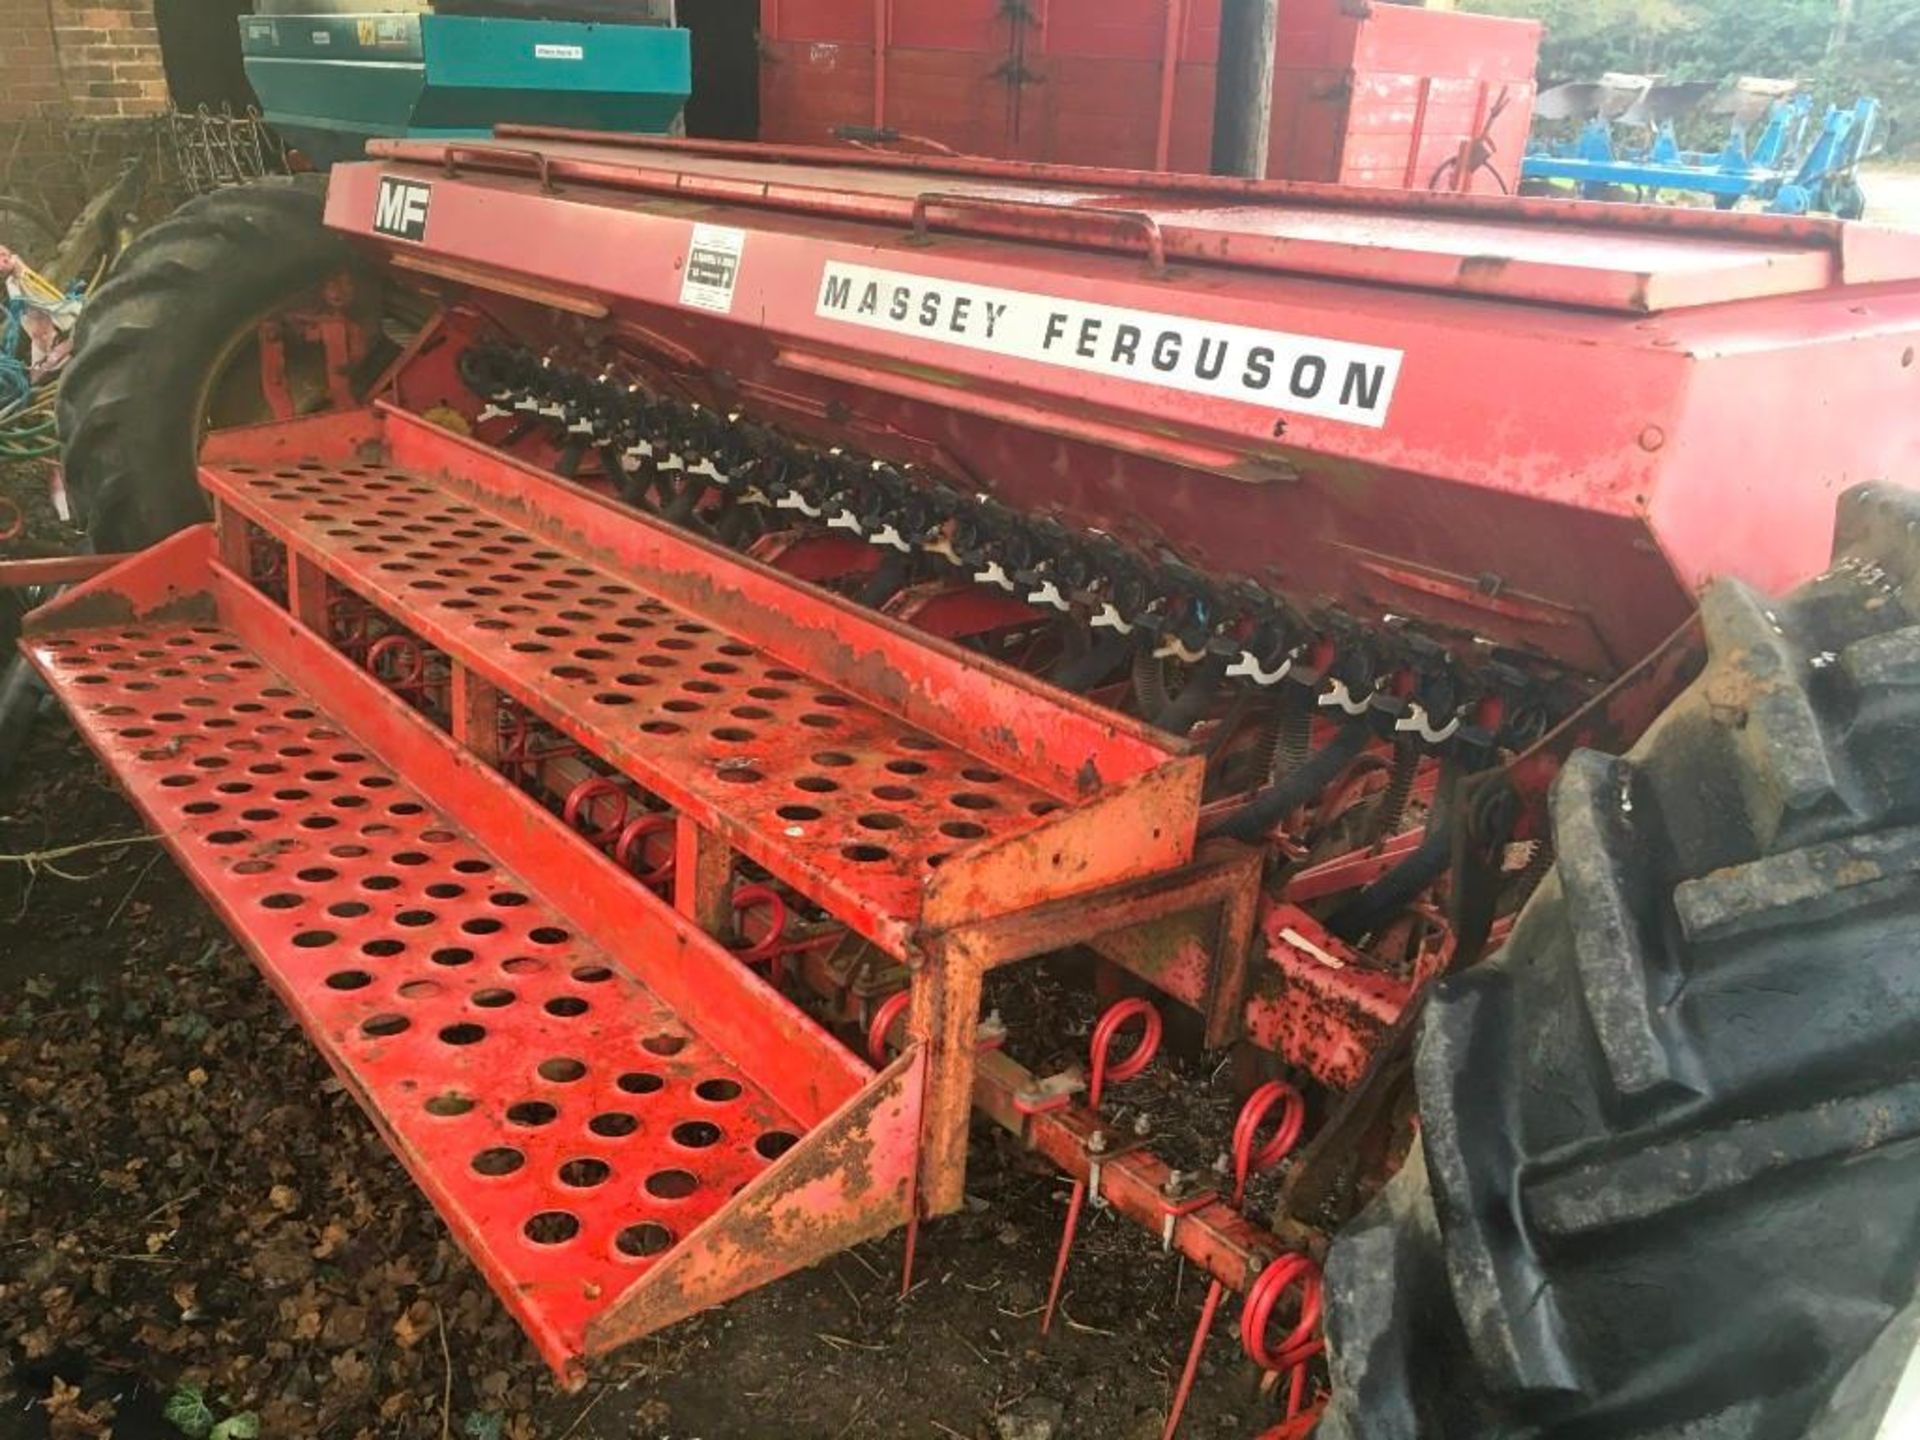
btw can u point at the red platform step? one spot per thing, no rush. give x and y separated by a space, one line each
610 1162
905 785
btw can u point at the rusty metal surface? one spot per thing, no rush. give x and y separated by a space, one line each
170 584
851 1181
1200 955
1319 1004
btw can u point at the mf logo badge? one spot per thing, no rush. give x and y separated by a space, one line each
401 210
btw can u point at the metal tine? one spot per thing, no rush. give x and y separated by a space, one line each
1100 1072
1247 1162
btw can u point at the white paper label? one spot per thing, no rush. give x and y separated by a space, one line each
1299 374
713 268
559 52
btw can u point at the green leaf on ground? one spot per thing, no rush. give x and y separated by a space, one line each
187 1412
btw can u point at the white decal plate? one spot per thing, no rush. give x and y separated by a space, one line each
1298 374
559 52
401 207
713 268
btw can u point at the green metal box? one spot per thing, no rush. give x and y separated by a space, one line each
327 82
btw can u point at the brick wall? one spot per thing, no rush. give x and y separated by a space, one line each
33 83
92 59
110 57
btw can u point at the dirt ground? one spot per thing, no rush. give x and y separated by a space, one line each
190 1206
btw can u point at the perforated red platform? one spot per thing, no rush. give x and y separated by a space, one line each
575 1131
619 1119
847 757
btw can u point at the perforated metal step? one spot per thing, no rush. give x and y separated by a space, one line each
570 1127
804 741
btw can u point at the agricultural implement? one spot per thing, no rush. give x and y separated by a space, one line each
773 593
1792 167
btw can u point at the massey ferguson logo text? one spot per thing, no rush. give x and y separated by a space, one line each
401 208
1333 379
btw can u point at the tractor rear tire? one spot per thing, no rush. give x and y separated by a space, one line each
1668 1178
151 342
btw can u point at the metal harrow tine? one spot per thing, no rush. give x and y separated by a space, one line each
1101 1071
1247 1162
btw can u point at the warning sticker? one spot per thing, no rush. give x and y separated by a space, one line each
713 268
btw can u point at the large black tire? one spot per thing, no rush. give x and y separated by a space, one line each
150 343
1668 1181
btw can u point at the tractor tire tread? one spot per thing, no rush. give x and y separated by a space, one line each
148 341
1670 1134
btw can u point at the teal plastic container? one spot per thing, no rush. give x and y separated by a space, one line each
328 83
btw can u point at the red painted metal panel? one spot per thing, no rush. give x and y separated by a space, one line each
809 88
957 96
1463 481
1444 42
853 1180
1130 83
1100 109
980 27
810 21
1613 257
1468 66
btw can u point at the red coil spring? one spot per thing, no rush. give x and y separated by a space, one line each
769 946
350 623
1257 1314
884 1015
1104 1035
1247 1160
1250 1157
574 811
400 663
525 745
1103 1069
517 760
630 849
265 558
